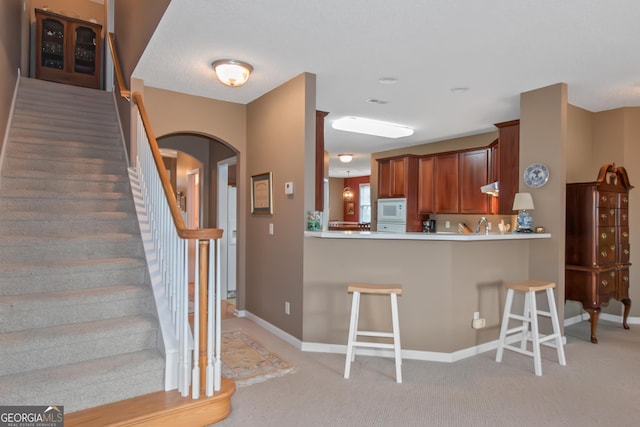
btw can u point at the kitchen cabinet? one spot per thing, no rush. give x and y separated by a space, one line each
458 177
446 183
68 50
474 173
322 161
508 165
425 185
398 176
597 249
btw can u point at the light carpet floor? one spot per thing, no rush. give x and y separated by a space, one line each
599 386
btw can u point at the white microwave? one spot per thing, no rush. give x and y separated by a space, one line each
392 211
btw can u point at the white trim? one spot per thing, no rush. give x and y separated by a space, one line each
271 328
428 356
170 345
5 140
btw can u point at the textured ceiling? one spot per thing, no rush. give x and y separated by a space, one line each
495 48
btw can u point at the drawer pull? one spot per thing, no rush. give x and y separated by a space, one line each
604 254
627 251
625 234
605 283
612 212
604 199
604 216
603 236
625 278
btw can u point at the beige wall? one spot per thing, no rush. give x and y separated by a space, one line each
580 167
11 18
280 140
543 139
336 204
134 24
171 112
444 283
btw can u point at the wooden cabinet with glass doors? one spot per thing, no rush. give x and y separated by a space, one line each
68 50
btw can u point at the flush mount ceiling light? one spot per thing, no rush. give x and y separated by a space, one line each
388 80
232 72
377 101
371 127
345 158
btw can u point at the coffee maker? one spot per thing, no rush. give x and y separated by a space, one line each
429 226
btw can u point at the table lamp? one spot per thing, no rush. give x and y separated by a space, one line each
523 203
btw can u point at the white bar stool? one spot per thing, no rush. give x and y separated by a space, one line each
530 317
364 288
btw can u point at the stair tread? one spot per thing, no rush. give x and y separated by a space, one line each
31 266
40 339
82 377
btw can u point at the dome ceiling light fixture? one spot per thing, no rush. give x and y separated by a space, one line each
232 72
345 158
371 127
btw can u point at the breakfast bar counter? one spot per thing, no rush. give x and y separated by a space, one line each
446 278
447 236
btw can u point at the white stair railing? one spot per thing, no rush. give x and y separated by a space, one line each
170 241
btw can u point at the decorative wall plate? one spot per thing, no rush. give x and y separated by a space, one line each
536 175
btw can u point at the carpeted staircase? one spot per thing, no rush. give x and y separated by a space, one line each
78 322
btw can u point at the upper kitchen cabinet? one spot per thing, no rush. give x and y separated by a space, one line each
398 177
508 165
425 184
474 173
68 50
450 182
446 183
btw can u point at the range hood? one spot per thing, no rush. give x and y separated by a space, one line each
491 189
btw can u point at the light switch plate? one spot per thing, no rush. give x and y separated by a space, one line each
288 188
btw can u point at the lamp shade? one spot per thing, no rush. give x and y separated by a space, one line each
523 201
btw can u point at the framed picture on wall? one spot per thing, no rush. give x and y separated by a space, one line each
261 200
351 209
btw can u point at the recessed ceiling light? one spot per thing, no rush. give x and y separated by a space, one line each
388 80
371 127
459 89
377 101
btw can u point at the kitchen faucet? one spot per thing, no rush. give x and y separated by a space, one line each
486 225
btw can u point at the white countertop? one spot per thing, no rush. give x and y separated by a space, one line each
444 236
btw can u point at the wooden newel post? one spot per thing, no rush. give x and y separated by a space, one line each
202 290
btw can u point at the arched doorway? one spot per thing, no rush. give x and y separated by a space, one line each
197 157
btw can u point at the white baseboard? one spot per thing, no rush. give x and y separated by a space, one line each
428 356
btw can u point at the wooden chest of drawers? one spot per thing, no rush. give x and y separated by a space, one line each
597 243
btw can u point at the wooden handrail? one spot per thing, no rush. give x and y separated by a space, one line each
183 232
122 88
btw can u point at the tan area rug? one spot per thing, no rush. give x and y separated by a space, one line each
246 361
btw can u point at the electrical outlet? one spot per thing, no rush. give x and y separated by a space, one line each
447 224
271 229
287 308
478 323
476 315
